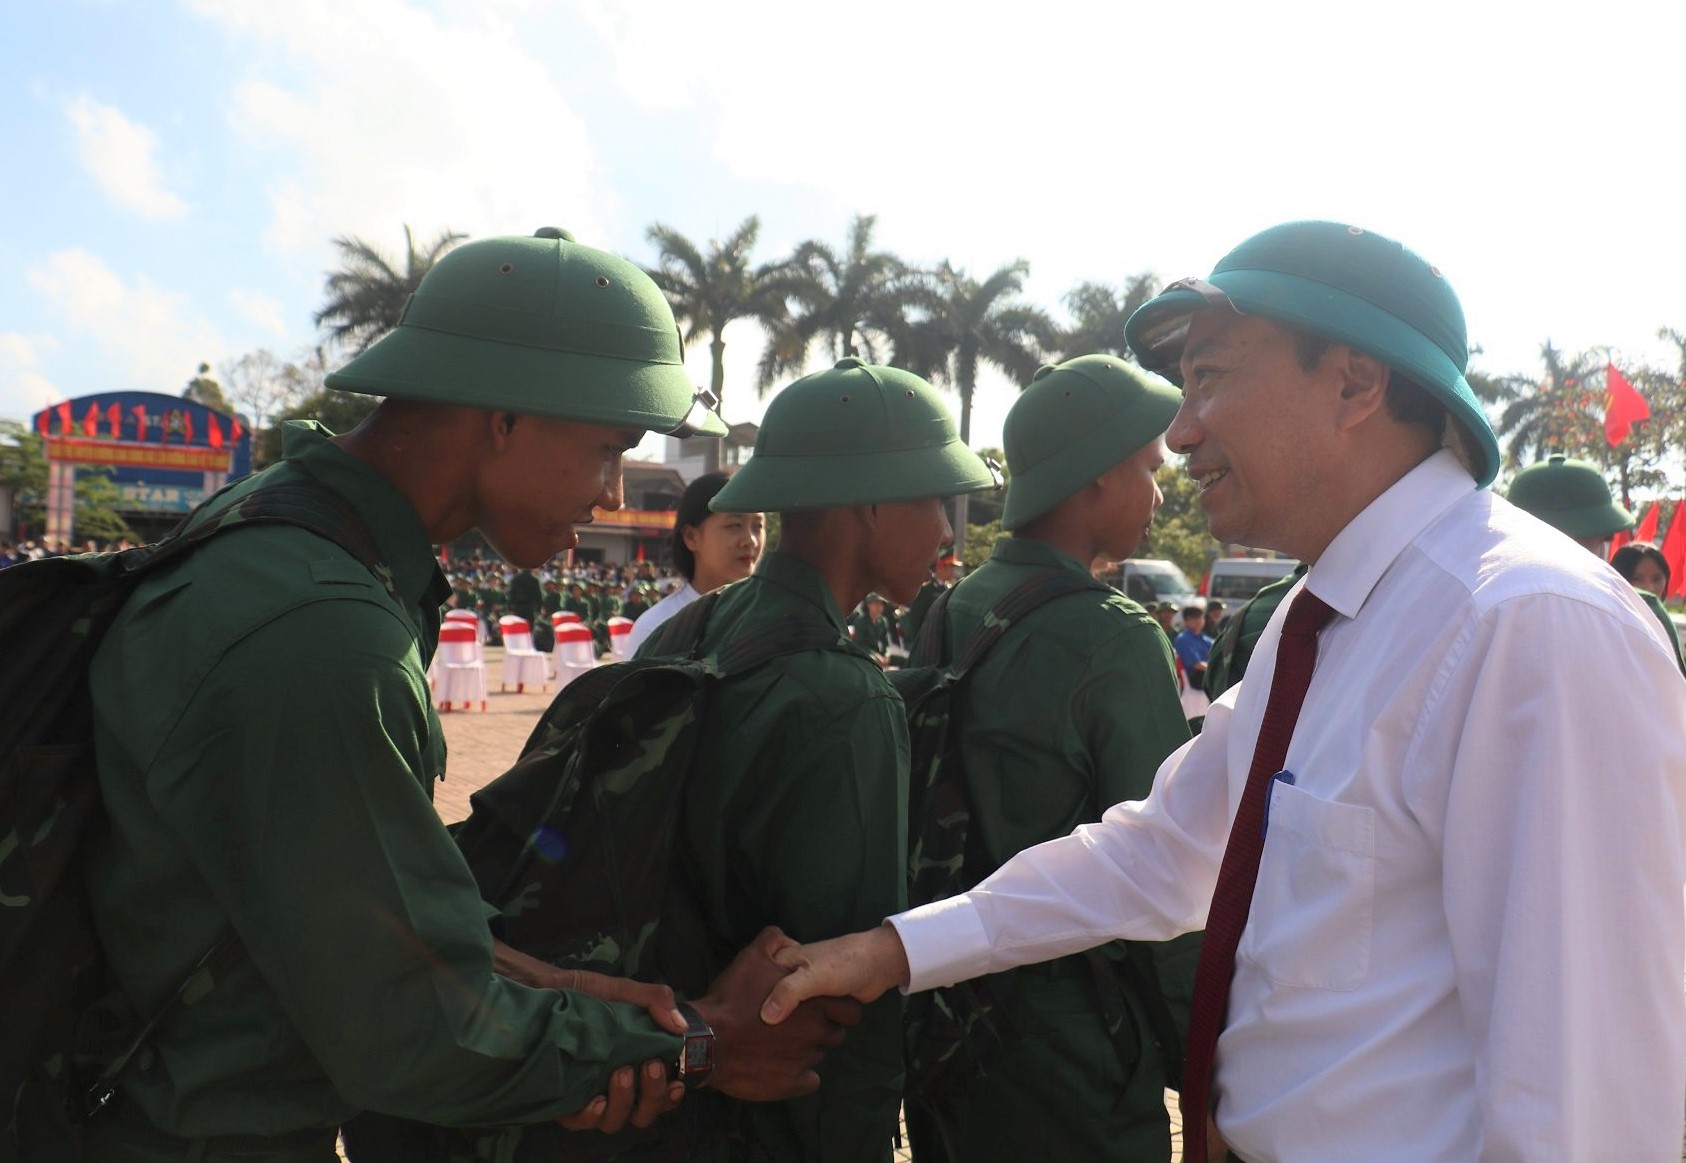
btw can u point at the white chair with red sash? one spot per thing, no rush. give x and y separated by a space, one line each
522 663
461 668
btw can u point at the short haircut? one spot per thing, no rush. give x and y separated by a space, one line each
1625 560
693 511
1197 611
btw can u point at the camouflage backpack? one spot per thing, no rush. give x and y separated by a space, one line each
574 845
949 1032
68 1034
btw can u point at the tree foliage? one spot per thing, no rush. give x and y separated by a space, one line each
23 469
956 324
366 295
1179 531
709 289
841 299
1098 314
337 411
204 389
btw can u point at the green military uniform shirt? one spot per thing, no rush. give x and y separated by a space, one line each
914 619
267 745
1661 611
795 815
1070 713
524 595
1233 649
871 634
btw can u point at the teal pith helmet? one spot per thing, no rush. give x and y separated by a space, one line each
854 434
1075 421
1346 284
541 326
1571 496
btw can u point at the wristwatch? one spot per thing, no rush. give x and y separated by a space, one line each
696 1054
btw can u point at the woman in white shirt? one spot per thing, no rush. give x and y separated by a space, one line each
710 549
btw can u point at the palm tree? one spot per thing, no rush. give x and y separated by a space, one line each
849 299
709 290
1560 412
1098 314
366 296
959 323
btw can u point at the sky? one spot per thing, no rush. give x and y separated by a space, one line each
175 169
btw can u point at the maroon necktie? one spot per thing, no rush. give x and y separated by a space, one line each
1233 896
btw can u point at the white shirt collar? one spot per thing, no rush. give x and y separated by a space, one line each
1361 552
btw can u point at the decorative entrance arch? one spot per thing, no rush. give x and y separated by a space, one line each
167 453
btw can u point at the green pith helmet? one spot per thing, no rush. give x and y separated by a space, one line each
1075 421
855 434
541 326
1570 496
1346 284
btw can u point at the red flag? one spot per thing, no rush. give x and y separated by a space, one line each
114 421
214 434
235 431
140 421
1623 406
1674 552
64 418
91 422
41 421
186 426
1616 542
1647 530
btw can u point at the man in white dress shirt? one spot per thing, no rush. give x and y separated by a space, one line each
1466 940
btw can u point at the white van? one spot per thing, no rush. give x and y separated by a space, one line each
1151 579
1237 579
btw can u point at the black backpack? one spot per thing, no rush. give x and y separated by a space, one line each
574 845
68 1035
951 1031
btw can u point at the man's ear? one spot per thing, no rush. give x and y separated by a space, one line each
1362 384
500 426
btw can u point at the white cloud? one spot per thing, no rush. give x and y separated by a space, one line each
260 310
119 154
24 388
395 115
147 338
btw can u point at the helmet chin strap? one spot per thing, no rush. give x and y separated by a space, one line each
706 402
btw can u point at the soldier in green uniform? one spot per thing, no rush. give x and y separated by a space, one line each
552 601
575 602
1234 646
267 749
912 619
1065 717
795 813
871 629
524 596
1572 497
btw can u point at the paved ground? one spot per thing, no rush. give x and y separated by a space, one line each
483 744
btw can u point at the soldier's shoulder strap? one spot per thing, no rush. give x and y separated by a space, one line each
1017 604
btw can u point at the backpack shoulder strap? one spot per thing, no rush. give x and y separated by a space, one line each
1014 606
303 503
683 636
928 646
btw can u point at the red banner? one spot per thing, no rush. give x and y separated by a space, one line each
174 456
1623 406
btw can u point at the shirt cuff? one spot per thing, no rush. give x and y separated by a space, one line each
945 942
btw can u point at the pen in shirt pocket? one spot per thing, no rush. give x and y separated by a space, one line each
1283 776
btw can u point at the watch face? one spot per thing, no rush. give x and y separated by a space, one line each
699 1054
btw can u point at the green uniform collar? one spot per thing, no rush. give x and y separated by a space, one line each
803 580
397 528
1029 551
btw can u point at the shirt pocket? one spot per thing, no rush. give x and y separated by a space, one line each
1313 908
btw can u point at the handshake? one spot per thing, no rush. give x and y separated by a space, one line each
775 1011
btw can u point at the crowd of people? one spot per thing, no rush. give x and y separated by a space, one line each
1385 899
